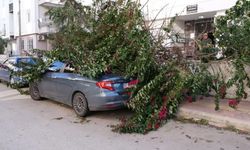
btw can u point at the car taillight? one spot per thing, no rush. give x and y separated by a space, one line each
105 85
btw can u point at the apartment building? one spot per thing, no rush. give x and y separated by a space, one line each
25 25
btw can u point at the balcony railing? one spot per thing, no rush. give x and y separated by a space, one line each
51 3
45 21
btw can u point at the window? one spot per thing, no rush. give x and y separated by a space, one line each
11 8
30 44
22 44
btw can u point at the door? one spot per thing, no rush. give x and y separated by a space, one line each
201 27
5 70
64 83
47 86
57 86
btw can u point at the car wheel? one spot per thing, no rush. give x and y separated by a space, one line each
34 91
80 104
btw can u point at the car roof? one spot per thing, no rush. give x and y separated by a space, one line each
13 57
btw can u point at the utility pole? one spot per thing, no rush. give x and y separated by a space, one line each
19 27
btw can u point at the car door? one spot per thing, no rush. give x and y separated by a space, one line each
64 83
5 69
4 73
47 87
57 84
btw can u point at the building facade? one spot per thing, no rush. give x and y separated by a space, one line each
193 18
25 25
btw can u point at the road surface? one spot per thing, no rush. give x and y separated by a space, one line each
45 125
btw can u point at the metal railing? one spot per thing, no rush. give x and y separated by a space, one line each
45 21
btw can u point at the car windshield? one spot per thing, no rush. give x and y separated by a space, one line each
26 61
56 66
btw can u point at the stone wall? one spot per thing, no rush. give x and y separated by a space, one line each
227 71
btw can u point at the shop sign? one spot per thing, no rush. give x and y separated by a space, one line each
192 8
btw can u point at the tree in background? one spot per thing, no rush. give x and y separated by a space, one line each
3 44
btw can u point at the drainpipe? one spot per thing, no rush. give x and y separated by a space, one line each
19 27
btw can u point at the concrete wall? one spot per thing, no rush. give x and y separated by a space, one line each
169 8
227 71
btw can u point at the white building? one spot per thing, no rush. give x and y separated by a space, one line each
28 30
31 27
193 18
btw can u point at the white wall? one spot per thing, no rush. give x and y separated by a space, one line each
4 18
173 7
28 17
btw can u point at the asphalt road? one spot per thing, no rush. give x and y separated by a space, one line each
45 125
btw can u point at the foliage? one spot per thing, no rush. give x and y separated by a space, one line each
30 73
3 44
113 37
233 32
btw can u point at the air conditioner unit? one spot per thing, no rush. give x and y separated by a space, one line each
41 37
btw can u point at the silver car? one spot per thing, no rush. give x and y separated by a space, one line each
83 94
15 64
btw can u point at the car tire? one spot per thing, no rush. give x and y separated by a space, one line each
34 92
80 104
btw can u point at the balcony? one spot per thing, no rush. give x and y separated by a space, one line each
11 8
50 3
46 25
45 21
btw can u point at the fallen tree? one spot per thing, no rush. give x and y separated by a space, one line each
113 36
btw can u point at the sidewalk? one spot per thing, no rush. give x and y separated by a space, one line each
226 117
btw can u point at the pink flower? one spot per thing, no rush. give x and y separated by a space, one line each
189 99
163 113
157 125
233 103
149 126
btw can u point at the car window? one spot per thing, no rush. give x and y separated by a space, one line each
10 63
56 66
25 61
